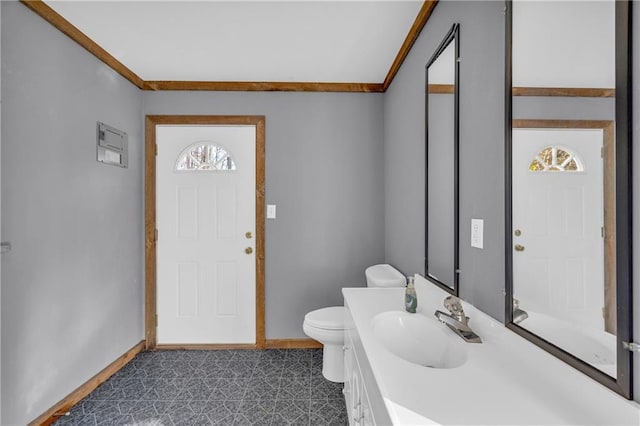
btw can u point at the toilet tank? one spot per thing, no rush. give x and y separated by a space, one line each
384 275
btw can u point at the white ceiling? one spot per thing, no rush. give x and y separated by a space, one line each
284 41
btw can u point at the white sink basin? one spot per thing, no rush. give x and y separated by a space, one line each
418 340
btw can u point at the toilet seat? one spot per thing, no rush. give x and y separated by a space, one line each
331 318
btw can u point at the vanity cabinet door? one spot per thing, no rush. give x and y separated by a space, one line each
351 389
348 368
355 405
354 392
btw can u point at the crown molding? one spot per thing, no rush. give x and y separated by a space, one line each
66 27
569 92
423 16
263 86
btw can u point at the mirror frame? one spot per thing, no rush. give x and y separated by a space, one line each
621 384
452 35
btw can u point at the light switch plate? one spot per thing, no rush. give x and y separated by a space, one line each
477 231
271 211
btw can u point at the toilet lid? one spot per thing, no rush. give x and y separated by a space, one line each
331 318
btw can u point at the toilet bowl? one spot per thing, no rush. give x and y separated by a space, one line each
326 325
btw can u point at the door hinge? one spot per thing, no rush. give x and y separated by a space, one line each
156 149
602 152
631 346
602 231
156 235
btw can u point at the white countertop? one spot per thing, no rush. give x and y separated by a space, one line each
505 380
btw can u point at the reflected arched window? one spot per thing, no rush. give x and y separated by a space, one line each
205 156
556 159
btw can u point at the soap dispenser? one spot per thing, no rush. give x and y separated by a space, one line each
410 297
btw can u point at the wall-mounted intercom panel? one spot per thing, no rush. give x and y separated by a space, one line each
112 146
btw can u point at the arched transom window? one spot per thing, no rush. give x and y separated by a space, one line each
556 159
205 156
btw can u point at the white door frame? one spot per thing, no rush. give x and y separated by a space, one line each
151 122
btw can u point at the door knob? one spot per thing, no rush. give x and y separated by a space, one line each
518 232
519 247
248 250
249 235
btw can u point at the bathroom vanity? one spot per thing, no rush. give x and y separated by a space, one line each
409 369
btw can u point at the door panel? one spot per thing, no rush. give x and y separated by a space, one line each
187 286
558 220
187 217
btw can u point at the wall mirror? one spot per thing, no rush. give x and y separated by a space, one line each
441 105
568 177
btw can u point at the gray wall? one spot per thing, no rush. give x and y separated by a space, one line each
481 150
324 172
72 286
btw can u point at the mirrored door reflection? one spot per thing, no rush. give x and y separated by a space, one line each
569 208
563 176
562 264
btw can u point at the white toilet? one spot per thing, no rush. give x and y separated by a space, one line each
326 325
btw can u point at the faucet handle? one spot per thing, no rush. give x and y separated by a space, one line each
454 306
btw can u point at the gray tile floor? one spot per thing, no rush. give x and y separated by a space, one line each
224 387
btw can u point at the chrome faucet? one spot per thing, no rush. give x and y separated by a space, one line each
456 320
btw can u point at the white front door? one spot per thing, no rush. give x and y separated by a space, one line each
205 207
558 223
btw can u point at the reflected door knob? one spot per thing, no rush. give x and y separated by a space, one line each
248 250
519 247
